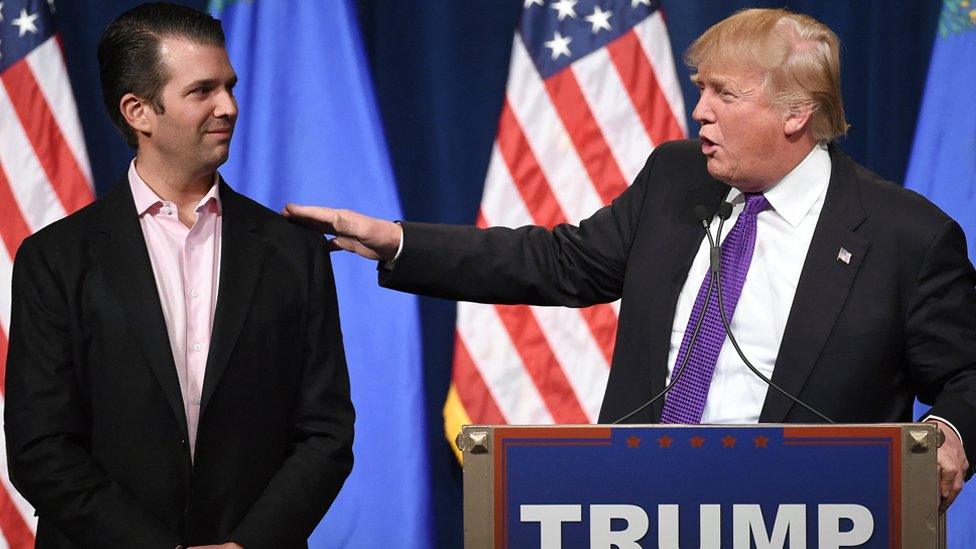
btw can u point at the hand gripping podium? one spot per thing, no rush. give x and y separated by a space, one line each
708 487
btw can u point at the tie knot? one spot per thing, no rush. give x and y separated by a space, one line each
755 203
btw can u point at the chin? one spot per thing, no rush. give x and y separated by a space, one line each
717 172
218 159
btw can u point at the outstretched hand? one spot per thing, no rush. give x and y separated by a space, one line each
354 232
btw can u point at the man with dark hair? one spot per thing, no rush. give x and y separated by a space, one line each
176 373
131 61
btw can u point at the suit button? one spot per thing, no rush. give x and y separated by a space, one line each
182 442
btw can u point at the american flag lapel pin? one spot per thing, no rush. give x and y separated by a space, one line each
844 255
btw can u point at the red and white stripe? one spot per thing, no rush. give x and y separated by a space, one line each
565 147
44 175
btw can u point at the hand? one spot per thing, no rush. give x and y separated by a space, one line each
228 545
354 232
952 466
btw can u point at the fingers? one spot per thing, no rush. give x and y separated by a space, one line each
355 246
333 247
951 479
319 218
950 484
319 213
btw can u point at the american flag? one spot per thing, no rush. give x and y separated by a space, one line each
44 175
592 88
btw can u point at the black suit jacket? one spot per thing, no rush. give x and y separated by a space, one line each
862 339
94 420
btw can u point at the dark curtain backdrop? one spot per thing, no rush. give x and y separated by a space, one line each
439 70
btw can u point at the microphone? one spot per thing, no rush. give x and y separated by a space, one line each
701 212
715 251
724 211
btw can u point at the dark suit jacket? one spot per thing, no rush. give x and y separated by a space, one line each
94 420
862 339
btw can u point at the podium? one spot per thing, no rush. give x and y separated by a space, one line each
708 487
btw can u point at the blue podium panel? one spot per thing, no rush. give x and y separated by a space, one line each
704 486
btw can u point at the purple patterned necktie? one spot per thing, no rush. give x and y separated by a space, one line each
686 401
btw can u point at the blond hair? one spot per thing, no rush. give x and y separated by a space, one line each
798 56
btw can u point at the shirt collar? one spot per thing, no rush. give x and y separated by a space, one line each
145 198
795 195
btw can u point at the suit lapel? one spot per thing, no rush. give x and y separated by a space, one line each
119 248
824 284
242 257
676 258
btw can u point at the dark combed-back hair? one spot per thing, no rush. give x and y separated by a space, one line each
129 54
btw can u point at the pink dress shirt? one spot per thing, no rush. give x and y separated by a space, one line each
186 265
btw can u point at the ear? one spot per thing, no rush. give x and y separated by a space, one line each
137 113
798 119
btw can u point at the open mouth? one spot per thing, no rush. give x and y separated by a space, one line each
708 146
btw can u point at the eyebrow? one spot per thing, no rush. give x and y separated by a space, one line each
717 81
209 82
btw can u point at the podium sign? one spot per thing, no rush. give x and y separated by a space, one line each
711 487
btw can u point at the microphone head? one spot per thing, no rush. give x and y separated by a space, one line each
701 212
725 210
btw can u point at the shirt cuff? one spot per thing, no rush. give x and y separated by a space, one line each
388 265
947 422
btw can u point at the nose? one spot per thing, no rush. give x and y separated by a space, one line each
703 113
225 105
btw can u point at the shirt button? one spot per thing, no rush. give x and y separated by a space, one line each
194 294
197 346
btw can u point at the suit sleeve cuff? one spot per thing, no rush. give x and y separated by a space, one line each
388 265
947 422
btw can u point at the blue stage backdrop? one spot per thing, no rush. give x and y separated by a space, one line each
309 132
943 166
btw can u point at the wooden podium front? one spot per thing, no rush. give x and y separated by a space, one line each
713 487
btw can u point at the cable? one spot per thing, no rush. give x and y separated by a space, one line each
704 219
728 330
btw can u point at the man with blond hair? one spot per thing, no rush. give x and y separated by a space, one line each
853 294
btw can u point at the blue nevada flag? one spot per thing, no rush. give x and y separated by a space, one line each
309 132
943 168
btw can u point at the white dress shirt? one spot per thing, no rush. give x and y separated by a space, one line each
783 234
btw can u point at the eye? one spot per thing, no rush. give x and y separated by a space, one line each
726 95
